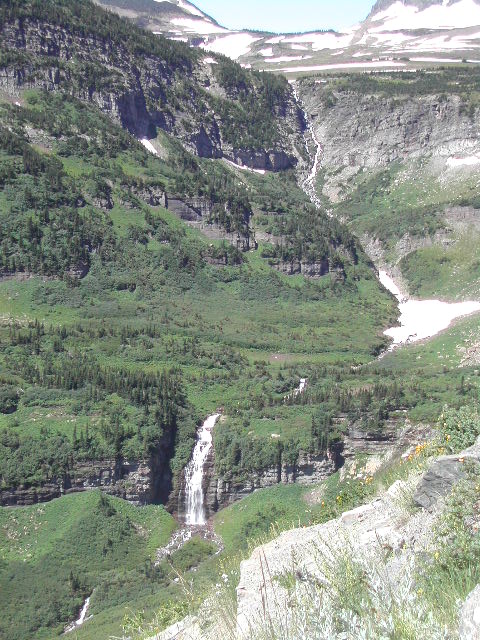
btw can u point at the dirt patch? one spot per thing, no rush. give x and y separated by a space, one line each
315 496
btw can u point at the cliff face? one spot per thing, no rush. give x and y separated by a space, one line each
221 491
361 131
165 86
130 481
140 482
309 469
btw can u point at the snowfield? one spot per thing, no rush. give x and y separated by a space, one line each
398 16
346 65
202 27
287 58
421 319
149 146
262 172
234 45
469 161
444 28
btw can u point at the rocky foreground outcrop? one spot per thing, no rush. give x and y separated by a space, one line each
284 586
384 526
470 617
443 474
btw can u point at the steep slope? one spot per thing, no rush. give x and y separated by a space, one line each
109 227
133 303
147 83
397 33
400 163
176 18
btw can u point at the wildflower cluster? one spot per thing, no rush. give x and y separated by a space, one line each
459 428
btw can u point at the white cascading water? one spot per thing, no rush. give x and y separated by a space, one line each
195 506
81 618
309 183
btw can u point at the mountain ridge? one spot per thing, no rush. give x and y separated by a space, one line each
402 35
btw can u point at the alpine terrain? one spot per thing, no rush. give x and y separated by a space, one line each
397 34
239 324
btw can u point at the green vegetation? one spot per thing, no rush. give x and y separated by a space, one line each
453 572
52 556
157 71
121 326
458 80
449 272
93 378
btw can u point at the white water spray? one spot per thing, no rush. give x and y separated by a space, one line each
81 618
309 183
195 504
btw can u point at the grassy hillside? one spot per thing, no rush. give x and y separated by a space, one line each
52 556
88 359
122 326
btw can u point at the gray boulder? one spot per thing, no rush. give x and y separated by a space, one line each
470 617
444 473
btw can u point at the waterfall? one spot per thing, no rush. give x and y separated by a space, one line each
81 618
309 183
195 504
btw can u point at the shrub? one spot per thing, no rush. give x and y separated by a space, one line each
8 399
459 428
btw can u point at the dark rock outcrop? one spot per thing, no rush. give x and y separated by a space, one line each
307 269
140 482
189 210
442 476
169 90
130 481
309 469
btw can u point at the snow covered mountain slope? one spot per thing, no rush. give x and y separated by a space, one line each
402 34
177 19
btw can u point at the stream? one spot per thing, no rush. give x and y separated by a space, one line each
421 319
82 617
309 183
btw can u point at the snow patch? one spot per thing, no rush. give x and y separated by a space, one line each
398 16
210 61
422 59
288 58
266 52
186 6
469 161
345 65
323 40
202 27
243 168
234 45
149 146
421 319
